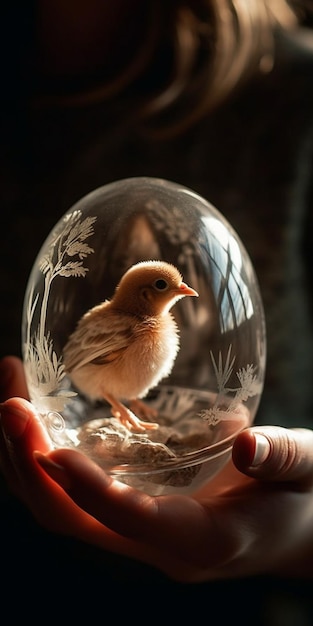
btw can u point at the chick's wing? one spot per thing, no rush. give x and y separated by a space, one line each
98 343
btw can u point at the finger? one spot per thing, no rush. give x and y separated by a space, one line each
47 501
12 378
23 432
21 429
166 524
12 383
20 423
274 453
7 468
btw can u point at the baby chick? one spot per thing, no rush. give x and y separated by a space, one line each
123 347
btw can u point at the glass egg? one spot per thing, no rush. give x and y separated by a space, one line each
215 385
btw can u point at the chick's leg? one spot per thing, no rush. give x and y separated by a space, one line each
127 417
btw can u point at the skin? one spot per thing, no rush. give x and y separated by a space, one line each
248 521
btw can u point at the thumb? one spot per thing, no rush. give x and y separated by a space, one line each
274 453
12 378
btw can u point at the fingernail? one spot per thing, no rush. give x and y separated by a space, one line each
54 470
262 450
13 419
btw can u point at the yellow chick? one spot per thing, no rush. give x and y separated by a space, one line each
123 347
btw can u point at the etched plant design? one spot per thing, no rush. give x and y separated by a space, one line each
65 258
250 386
45 371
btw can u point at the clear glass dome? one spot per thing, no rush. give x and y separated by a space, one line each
214 388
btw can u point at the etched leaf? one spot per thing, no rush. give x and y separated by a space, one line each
45 264
73 269
79 248
81 230
223 373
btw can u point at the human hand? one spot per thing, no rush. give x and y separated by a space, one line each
248 520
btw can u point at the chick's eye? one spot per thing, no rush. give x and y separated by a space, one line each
160 284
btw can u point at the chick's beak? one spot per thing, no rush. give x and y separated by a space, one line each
185 290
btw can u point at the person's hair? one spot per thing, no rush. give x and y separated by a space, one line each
217 44
208 47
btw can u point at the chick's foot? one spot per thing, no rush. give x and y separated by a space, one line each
128 418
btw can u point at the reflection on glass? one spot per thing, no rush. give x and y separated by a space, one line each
216 383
